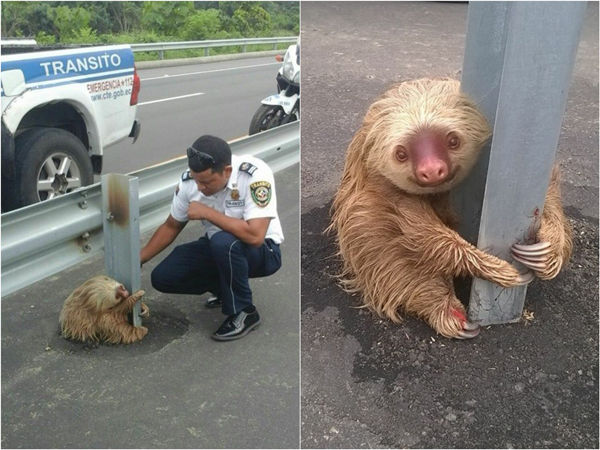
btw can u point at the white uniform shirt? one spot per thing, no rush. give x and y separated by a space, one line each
251 179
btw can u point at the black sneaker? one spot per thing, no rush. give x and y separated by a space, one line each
213 301
237 326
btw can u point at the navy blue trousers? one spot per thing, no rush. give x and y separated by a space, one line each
222 265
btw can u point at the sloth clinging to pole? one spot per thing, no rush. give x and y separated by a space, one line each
392 213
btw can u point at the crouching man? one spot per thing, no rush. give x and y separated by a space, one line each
234 197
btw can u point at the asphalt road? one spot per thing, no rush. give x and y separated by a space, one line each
367 383
179 104
177 388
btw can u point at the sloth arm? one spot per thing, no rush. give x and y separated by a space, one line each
439 249
554 238
132 299
410 227
128 304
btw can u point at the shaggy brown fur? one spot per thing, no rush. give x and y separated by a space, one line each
97 310
392 213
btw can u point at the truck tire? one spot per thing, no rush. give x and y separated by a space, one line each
49 162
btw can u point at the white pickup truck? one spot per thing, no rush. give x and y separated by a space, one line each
60 109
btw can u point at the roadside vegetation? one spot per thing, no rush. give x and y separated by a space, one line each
114 22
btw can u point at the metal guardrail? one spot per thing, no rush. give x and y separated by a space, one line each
207 45
46 238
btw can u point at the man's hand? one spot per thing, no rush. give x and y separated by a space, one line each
198 211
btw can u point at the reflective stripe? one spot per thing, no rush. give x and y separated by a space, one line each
231 277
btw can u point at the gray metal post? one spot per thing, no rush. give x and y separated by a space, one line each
530 78
207 51
243 49
487 29
120 206
160 55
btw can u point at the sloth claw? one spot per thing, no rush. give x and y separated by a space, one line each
467 332
525 278
539 249
534 256
533 259
470 326
144 311
539 266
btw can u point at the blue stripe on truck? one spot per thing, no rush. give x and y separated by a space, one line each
64 67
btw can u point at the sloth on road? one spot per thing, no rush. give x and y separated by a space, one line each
98 311
393 219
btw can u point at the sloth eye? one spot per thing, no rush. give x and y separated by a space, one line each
453 141
401 154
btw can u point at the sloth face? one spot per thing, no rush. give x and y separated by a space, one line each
425 135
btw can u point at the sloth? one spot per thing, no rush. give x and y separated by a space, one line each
394 225
98 311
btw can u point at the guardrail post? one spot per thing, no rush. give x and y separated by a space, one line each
160 55
243 49
121 227
207 51
518 64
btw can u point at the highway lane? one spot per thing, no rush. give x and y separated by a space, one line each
179 104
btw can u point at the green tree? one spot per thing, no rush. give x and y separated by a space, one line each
25 18
43 38
284 15
13 18
165 17
251 20
127 15
69 22
202 25
228 8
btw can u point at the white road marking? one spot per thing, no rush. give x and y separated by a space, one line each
168 99
208 71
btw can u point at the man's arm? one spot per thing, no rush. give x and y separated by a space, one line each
161 239
252 231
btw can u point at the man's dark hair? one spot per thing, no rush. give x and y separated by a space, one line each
209 152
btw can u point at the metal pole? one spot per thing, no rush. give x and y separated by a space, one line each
487 29
207 51
540 44
121 227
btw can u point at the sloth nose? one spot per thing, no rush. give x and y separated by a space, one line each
432 171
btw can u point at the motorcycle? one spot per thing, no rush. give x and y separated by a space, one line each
284 107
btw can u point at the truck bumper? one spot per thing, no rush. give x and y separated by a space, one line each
135 130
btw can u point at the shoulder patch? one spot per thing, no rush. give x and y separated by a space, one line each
248 168
261 193
186 176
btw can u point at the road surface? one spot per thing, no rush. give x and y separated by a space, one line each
179 104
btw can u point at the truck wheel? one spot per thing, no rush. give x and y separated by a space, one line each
265 118
49 163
